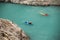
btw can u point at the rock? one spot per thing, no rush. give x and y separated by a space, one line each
10 31
35 2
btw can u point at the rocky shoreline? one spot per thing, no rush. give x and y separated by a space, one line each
10 31
34 2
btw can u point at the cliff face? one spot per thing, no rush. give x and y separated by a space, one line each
35 2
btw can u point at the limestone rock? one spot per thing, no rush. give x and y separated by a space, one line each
35 2
10 31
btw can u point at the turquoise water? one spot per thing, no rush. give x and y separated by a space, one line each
43 28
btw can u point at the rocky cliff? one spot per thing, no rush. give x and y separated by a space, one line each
10 31
35 2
